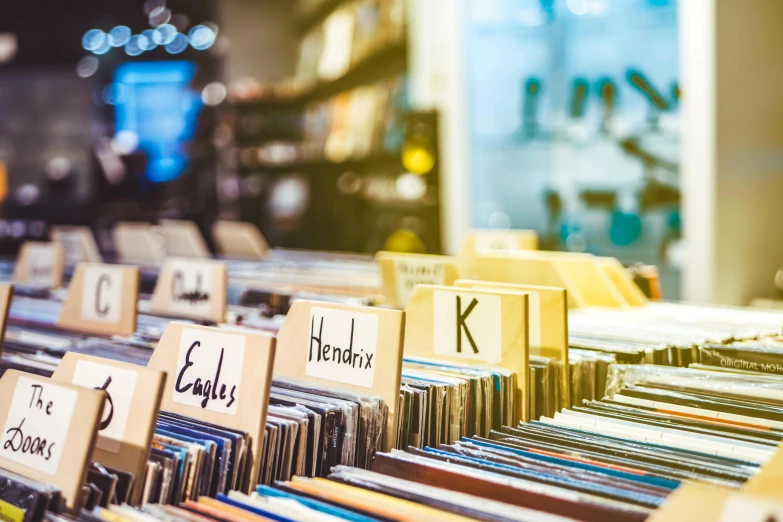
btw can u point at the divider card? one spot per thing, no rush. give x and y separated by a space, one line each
402 272
630 291
183 239
78 243
464 325
489 241
517 268
767 482
48 430
356 348
218 376
101 300
133 397
239 239
711 503
6 292
547 322
192 289
139 243
39 265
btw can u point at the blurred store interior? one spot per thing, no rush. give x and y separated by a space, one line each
646 130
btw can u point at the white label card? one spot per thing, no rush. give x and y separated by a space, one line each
209 370
467 325
102 294
342 346
191 287
496 241
40 268
409 273
118 401
747 509
37 425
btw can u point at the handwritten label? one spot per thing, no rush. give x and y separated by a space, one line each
749 509
409 273
342 346
37 424
191 288
209 370
40 267
496 241
10 513
102 294
118 400
467 325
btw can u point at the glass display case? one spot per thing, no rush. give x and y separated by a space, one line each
572 110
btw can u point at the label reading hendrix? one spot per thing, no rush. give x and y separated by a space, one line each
342 346
191 287
467 325
102 294
119 395
37 425
409 273
209 370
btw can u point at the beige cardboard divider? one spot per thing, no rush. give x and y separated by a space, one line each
480 242
706 503
138 243
183 239
510 267
630 291
40 264
768 482
402 272
355 348
101 300
239 239
6 292
472 326
238 367
130 413
191 289
79 244
48 430
547 322
584 271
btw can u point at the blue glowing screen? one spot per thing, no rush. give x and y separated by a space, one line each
157 104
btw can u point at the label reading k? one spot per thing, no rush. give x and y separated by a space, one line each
462 327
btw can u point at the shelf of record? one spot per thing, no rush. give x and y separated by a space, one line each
503 384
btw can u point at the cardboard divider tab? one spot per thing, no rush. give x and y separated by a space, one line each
138 243
240 362
480 242
40 264
402 272
101 300
547 323
768 482
79 244
708 503
6 292
191 289
183 239
472 325
595 286
355 348
136 393
239 239
509 267
63 419
630 291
